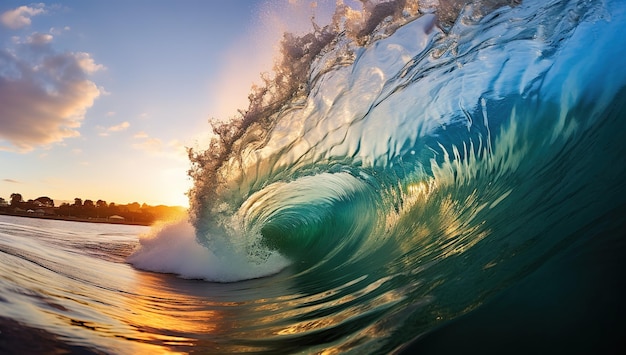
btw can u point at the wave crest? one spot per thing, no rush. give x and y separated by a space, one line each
384 116
218 168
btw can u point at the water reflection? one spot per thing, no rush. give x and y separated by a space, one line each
186 315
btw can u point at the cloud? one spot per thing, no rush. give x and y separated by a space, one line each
87 63
44 94
20 17
173 149
152 145
38 39
59 31
140 135
120 127
11 181
102 90
117 128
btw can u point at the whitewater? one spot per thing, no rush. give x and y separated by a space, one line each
416 176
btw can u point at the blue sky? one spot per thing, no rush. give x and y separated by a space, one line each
98 99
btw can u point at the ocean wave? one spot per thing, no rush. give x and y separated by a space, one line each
426 160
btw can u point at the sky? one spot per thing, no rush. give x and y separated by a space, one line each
99 99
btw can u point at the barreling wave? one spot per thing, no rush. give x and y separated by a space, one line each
408 162
376 95
278 137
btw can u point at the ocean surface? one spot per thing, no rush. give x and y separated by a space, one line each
442 179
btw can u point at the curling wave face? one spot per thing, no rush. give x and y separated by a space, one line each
425 158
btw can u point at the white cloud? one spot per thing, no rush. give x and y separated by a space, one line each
120 127
116 128
44 94
58 31
87 63
40 38
21 16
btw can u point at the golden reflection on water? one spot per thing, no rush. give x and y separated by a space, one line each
194 315
181 314
162 315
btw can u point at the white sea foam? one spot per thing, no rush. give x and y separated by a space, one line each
172 248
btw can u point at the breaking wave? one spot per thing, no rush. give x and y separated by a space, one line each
411 150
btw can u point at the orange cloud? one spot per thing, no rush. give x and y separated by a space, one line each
120 127
43 100
140 135
153 145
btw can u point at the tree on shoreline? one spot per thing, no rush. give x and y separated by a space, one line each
132 212
45 201
16 199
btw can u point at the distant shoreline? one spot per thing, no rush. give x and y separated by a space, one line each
74 219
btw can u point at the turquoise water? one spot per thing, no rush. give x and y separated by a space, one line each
442 187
